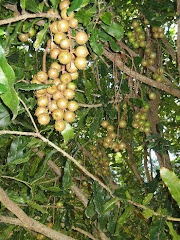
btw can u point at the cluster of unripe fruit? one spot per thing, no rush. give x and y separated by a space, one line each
158 32
158 75
101 163
137 37
111 141
149 55
140 120
57 99
23 37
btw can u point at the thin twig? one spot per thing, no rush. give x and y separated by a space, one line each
84 233
30 115
26 16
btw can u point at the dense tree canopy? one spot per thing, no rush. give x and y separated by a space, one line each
89 119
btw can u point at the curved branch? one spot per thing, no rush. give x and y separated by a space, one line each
26 16
173 91
36 227
84 233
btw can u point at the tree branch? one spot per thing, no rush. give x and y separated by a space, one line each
84 233
27 222
178 34
144 79
26 16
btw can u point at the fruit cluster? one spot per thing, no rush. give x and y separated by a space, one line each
111 141
57 99
140 120
158 76
137 36
158 32
23 37
101 162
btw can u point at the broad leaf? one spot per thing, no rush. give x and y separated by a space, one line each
68 133
173 233
106 17
157 230
23 4
148 213
32 6
125 215
3 88
40 37
147 199
98 198
67 181
37 207
114 30
90 210
7 78
30 86
4 116
96 47
108 206
172 182
77 4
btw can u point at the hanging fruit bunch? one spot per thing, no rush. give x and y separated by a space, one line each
69 54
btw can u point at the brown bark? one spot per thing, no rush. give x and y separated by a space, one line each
132 162
111 56
146 164
163 159
178 34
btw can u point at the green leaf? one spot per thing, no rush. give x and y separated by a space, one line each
98 198
125 215
96 47
51 189
108 206
157 230
3 88
114 30
173 233
76 5
4 116
67 181
6 233
17 149
172 182
40 37
32 6
68 133
148 213
31 86
147 199
95 125
7 78
54 3
23 4
37 207
106 17
90 210
20 160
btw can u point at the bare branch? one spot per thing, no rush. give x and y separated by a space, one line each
26 16
84 233
135 75
36 227
79 195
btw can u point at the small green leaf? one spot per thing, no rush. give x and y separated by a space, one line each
76 5
98 199
3 88
90 210
157 230
173 233
114 30
20 161
108 206
172 182
125 215
1 32
67 181
106 17
148 213
37 207
40 37
7 78
68 133
31 86
4 116
96 47
147 199
23 4
32 6
54 3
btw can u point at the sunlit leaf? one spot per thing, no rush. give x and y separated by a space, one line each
40 37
